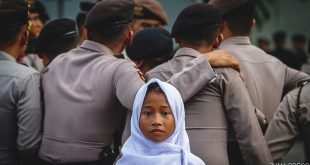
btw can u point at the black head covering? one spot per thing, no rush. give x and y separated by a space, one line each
13 14
110 13
197 16
59 28
151 43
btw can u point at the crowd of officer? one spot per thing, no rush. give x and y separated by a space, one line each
66 93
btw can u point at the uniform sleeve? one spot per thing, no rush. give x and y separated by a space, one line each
241 115
283 128
29 118
127 82
292 77
191 79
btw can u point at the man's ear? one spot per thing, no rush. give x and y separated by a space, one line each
24 38
218 40
129 37
83 35
253 22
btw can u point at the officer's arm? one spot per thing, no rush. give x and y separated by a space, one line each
193 77
283 128
29 119
241 115
198 72
292 78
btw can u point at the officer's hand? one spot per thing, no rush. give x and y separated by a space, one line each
221 59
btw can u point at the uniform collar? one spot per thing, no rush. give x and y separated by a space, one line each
240 40
6 56
96 47
187 51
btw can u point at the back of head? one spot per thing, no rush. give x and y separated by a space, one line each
150 9
299 38
13 16
108 19
238 14
58 36
154 44
197 23
279 38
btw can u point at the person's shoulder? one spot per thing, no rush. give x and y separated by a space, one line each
227 74
20 71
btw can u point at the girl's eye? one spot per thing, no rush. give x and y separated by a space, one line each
165 113
147 113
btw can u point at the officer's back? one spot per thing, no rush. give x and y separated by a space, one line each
82 87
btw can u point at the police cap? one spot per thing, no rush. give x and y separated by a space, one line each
110 13
150 9
13 14
227 6
151 43
197 16
57 29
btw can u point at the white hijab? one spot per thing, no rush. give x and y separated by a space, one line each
173 151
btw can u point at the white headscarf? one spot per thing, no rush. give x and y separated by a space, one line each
173 151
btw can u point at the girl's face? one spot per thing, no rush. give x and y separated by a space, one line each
156 118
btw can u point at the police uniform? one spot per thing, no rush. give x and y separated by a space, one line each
220 116
267 79
20 109
82 88
291 119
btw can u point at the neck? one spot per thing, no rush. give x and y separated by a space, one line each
12 50
201 48
116 47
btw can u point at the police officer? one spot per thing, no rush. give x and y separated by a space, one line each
148 14
37 18
57 37
82 88
222 112
266 78
291 119
20 110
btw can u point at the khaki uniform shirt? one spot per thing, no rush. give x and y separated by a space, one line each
20 111
81 92
288 122
222 105
267 79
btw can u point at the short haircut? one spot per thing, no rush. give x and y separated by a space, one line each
103 34
199 35
10 35
240 20
61 45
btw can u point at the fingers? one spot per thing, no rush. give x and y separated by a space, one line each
220 59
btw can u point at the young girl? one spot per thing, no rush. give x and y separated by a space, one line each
158 134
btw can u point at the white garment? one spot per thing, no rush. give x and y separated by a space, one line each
173 151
